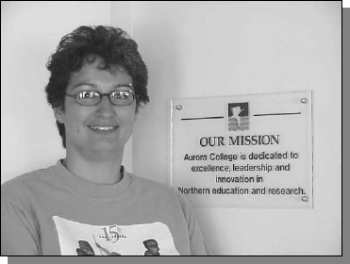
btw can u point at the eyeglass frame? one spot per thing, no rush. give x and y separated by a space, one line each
129 86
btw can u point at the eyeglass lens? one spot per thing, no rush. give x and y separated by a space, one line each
121 96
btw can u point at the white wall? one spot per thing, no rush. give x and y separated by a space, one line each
216 48
30 32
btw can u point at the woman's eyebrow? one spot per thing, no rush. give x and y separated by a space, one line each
83 84
123 85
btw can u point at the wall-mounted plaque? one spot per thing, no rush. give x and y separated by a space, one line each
243 151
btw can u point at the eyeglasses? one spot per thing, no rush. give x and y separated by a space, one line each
121 96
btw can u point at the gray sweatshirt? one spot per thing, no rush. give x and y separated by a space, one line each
53 212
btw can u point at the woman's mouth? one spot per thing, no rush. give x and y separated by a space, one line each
103 128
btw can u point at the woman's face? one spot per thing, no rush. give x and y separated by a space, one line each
101 129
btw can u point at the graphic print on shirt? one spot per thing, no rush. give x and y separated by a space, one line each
140 239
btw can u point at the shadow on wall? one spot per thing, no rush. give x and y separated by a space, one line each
160 49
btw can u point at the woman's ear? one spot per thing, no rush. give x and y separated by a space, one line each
59 114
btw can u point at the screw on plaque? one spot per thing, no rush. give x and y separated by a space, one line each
303 100
305 198
179 107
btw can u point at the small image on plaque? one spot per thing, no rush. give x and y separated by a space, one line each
238 116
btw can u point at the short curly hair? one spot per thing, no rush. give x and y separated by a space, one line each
112 44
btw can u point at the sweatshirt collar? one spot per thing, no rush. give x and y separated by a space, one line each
87 188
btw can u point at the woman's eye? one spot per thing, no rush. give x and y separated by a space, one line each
87 94
123 95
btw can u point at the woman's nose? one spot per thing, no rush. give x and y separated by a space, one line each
105 107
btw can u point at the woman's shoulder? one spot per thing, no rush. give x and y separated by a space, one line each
22 183
156 189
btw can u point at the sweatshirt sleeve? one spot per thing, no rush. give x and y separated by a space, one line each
19 235
197 243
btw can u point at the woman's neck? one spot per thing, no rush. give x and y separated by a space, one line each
100 171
